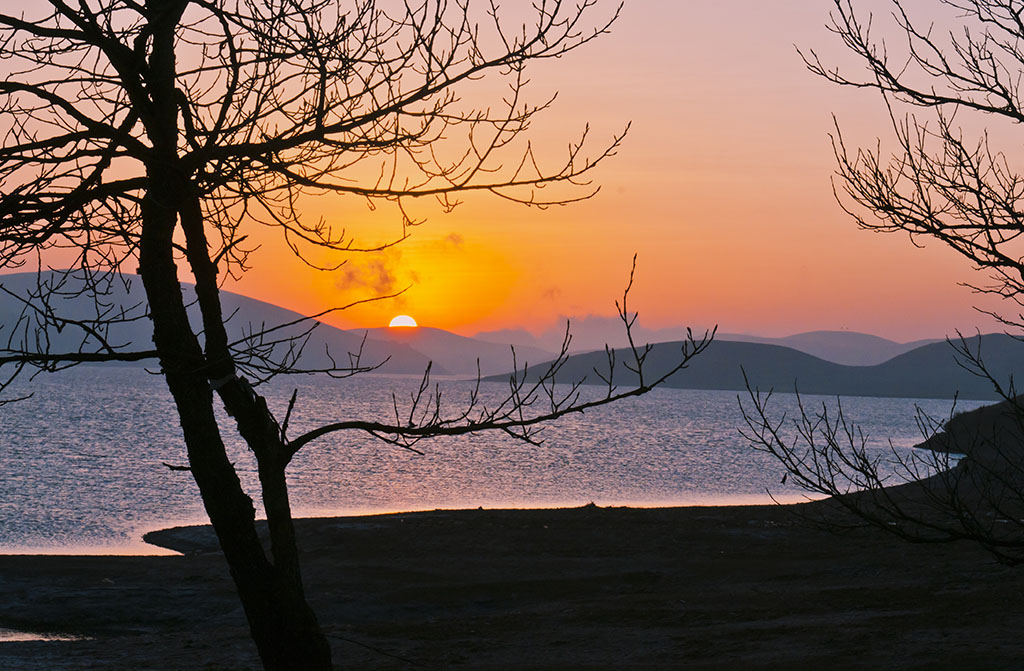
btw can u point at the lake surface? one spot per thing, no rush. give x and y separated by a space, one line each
82 460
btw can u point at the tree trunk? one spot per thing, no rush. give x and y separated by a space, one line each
304 645
281 622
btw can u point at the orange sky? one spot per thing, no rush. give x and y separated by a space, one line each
722 188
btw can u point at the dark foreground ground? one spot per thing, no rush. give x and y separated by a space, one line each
585 588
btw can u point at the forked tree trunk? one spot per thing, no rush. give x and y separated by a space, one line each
282 624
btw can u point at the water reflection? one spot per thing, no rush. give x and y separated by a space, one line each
133 546
12 636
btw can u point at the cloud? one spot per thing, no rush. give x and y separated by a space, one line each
454 240
552 293
378 274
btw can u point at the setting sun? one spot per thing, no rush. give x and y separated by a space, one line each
403 321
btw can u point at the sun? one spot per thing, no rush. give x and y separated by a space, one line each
403 321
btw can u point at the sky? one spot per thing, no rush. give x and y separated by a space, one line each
722 189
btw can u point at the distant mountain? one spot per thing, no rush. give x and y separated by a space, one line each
589 333
846 347
326 342
404 350
929 371
244 316
517 337
592 333
458 354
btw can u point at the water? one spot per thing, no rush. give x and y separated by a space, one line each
82 467
14 636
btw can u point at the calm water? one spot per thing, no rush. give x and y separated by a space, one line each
81 466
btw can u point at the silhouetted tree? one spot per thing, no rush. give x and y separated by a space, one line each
153 135
949 92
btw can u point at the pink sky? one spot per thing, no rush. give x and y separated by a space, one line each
722 188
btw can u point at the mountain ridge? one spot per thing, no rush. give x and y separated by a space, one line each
850 348
929 371
395 350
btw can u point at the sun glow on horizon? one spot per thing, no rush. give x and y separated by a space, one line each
403 321
730 213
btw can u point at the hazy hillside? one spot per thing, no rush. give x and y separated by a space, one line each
245 315
518 337
459 354
591 333
401 359
846 347
930 371
410 350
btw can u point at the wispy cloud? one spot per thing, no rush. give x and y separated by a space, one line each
453 240
378 273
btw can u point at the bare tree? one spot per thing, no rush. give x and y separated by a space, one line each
967 483
948 93
154 135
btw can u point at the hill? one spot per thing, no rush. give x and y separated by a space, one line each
589 333
404 350
244 316
929 371
459 354
849 348
846 347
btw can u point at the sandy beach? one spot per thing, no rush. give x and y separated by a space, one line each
582 588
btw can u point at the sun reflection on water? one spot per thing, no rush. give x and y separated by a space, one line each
14 636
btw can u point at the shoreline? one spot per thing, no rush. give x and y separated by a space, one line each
138 546
591 588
